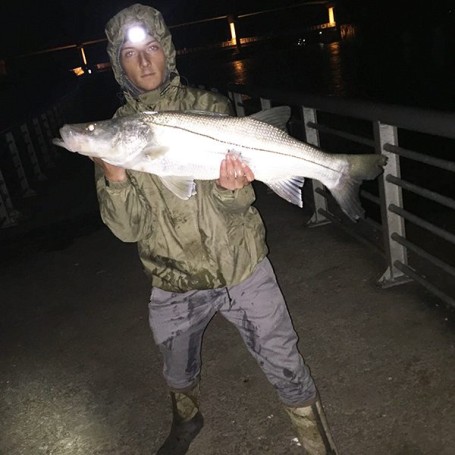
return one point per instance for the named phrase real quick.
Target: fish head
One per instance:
(117, 140)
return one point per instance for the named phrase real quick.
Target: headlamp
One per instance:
(136, 34)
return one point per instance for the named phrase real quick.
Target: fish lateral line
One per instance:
(256, 149)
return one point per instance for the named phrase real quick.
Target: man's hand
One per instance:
(234, 173)
(111, 172)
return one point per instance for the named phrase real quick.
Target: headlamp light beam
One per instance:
(136, 34)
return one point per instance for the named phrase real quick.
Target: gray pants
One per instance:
(258, 310)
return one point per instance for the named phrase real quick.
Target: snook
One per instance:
(181, 147)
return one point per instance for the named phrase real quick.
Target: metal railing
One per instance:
(417, 245)
(414, 247)
(27, 154)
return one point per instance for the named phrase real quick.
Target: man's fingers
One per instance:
(234, 173)
(223, 168)
(247, 172)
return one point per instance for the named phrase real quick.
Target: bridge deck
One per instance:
(79, 373)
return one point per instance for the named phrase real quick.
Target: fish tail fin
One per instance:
(346, 189)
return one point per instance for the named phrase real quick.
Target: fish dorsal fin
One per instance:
(276, 116)
(182, 187)
(209, 113)
(191, 111)
(289, 189)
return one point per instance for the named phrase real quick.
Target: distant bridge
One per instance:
(227, 31)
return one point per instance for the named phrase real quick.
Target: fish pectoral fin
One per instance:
(153, 152)
(276, 116)
(289, 189)
(182, 187)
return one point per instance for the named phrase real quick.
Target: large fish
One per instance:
(181, 147)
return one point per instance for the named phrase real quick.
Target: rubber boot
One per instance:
(187, 422)
(312, 429)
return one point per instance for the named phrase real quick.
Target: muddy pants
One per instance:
(258, 310)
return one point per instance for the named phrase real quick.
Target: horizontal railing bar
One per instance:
(363, 193)
(438, 123)
(416, 156)
(424, 254)
(423, 224)
(370, 197)
(428, 121)
(350, 231)
(425, 283)
(323, 193)
(349, 136)
(433, 196)
(374, 224)
(272, 10)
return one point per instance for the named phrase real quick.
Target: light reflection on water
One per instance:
(343, 68)
(312, 68)
(239, 71)
(335, 77)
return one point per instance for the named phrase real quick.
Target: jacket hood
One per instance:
(152, 20)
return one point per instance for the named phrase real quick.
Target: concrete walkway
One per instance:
(79, 372)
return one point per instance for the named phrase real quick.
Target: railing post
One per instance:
(50, 114)
(17, 163)
(266, 103)
(238, 104)
(8, 214)
(42, 143)
(58, 117)
(47, 129)
(36, 168)
(390, 194)
(312, 137)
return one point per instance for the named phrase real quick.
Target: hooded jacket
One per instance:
(214, 239)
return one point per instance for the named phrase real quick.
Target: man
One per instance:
(204, 255)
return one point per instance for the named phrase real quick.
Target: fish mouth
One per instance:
(59, 142)
(70, 139)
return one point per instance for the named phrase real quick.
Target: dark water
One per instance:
(403, 72)
(410, 70)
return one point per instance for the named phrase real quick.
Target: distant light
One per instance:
(84, 58)
(233, 33)
(332, 16)
(79, 71)
(136, 34)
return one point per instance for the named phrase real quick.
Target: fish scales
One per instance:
(251, 139)
(243, 133)
(183, 147)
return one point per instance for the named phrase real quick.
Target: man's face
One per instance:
(144, 63)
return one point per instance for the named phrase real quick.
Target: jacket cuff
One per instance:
(115, 187)
(224, 194)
